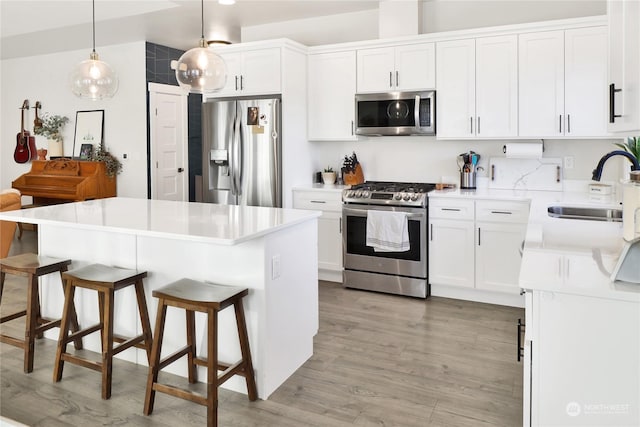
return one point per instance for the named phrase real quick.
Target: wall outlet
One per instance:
(275, 267)
(568, 162)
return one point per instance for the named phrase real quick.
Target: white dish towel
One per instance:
(387, 231)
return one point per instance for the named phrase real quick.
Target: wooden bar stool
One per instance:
(106, 280)
(33, 267)
(207, 298)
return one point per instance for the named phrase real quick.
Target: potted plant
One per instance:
(111, 162)
(632, 146)
(50, 127)
(328, 176)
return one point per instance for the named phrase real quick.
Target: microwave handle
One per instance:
(416, 113)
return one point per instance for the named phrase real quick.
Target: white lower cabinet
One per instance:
(329, 201)
(476, 244)
(581, 360)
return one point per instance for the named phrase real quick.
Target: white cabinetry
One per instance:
(252, 72)
(332, 88)
(451, 242)
(624, 65)
(406, 67)
(477, 244)
(581, 360)
(501, 228)
(561, 80)
(329, 201)
(477, 88)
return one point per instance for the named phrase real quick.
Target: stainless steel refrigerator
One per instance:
(241, 152)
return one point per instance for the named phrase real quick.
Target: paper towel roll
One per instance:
(520, 150)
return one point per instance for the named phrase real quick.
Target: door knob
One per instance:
(180, 169)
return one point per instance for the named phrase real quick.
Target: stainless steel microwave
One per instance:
(396, 113)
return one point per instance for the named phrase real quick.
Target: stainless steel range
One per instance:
(402, 273)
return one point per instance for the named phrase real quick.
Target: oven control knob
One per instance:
(398, 196)
(414, 197)
(365, 194)
(358, 193)
(350, 193)
(406, 197)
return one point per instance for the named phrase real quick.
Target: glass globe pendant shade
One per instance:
(93, 79)
(199, 70)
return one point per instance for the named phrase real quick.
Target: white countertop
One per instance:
(564, 255)
(323, 187)
(203, 222)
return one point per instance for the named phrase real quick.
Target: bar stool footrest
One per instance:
(81, 333)
(13, 316)
(127, 343)
(173, 357)
(96, 366)
(50, 323)
(181, 393)
(12, 341)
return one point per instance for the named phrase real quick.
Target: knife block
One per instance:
(353, 178)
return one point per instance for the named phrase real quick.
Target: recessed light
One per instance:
(227, 2)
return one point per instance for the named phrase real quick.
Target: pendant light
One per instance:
(199, 70)
(92, 78)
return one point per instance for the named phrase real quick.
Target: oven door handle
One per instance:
(363, 212)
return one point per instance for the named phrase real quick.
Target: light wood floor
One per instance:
(379, 360)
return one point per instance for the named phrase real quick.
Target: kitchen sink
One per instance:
(594, 214)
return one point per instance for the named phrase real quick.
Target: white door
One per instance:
(375, 69)
(168, 121)
(586, 95)
(331, 89)
(451, 253)
(456, 81)
(498, 256)
(415, 66)
(497, 86)
(261, 72)
(541, 84)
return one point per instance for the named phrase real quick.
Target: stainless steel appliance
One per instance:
(402, 273)
(396, 113)
(242, 152)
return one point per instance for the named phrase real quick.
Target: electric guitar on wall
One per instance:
(22, 153)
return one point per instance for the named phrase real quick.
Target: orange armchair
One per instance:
(9, 200)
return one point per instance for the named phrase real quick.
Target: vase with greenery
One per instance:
(328, 176)
(52, 125)
(111, 162)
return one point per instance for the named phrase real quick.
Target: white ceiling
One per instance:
(34, 27)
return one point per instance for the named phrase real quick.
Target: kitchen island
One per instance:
(273, 252)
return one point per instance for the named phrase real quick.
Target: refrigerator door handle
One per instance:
(233, 156)
(237, 152)
(274, 142)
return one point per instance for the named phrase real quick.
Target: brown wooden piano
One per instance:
(65, 180)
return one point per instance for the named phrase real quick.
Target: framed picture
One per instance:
(89, 131)
(85, 151)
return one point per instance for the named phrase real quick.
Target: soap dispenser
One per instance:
(631, 207)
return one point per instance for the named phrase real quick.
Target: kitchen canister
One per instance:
(468, 180)
(631, 207)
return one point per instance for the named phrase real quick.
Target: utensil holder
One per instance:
(467, 180)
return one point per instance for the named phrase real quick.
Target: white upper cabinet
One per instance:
(477, 88)
(253, 72)
(624, 66)
(407, 67)
(562, 83)
(456, 90)
(332, 88)
(585, 70)
(497, 86)
(541, 84)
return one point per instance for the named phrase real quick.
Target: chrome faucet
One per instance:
(597, 172)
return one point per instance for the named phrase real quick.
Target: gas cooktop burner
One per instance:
(388, 193)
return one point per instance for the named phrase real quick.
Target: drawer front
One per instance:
(502, 211)
(451, 209)
(318, 200)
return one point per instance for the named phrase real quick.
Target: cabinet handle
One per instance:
(397, 79)
(612, 103)
(352, 127)
(557, 173)
(471, 125)
(478, 125)
(478, 236)
(493, 172)
(340, 225)
(451, 209)
(502, 212)
(241, 82)
(431, 232)
(236, 82)
(560, 124)
(520, 346)
(568, 123)
(390, 79)
(318, 201)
